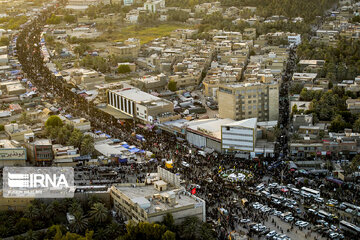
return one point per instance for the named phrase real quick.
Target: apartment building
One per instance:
(249, 100)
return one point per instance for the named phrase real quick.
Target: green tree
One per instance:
(356, 126)
(53, 19)
(355, 163)
(87, 145)
(75, 207)
(81, 48)
(337, 124)
(70, 18)
(80, 223)
(168, 221)
(124, 69)
(53, 121)
(168, 235)
(2, 127)
(76, 138)
(99, 213)
(172, 86)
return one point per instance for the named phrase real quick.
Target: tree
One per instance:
(53, 19)
(76, 138)
(75, 207)
(168, 235)
(81, 48)
(80, 223)
(70, 18)
(99, 213)
(172, 86)
(87, 145)
(124, 69)
(337, 124)
(355, 163)
(168, 221)
(356, 126)
(2, 127)
(53, 121)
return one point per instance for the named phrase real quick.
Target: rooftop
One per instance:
(144, 197)
(137, 95)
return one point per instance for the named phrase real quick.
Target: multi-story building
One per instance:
(239, 136)
(11, 153)
(138, 104)
(85, 78)
(150, 83)
(129, 49)
(152, 201)
(40, 151)
(249, 100)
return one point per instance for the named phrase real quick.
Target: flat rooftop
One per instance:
(136, 95)
(144, 193)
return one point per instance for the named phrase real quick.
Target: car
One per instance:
(292, 201)
(297, 223)
(349, 210)
(322, 222)
(319, 200)
(273, 185)
(277, 213)
(304, 224)
(245, 220)
(185, 164)
(298, 210)
(289, 219)
(333, 201)
(271, 234)
(333, 227)
(214, 107)
(333, 235)
(209, 180)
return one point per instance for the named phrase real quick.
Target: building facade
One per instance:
(138, 104)
(249, 100)
(239, 136)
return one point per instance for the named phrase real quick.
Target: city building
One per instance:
(64, 155)
(249, 100)
(85, 78)
(160, 195)
(294, 39)
(151, 83)
(16, 132)
(130, 48)
(12, 153)
(239, 136)
(39, 151)
(139, 104)
(128, 2)
(154, 5)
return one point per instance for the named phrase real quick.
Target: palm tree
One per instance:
(80, 223)
(32, 212)
(75, 207)
(99, 212)
(191, 228)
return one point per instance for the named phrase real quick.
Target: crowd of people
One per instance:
(203, 171)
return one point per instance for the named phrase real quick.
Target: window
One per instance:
(254, 107)
(227, 128)
(249, 101)
(250, 112)
(249, 107)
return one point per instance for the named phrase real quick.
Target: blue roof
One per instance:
(125, 146)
